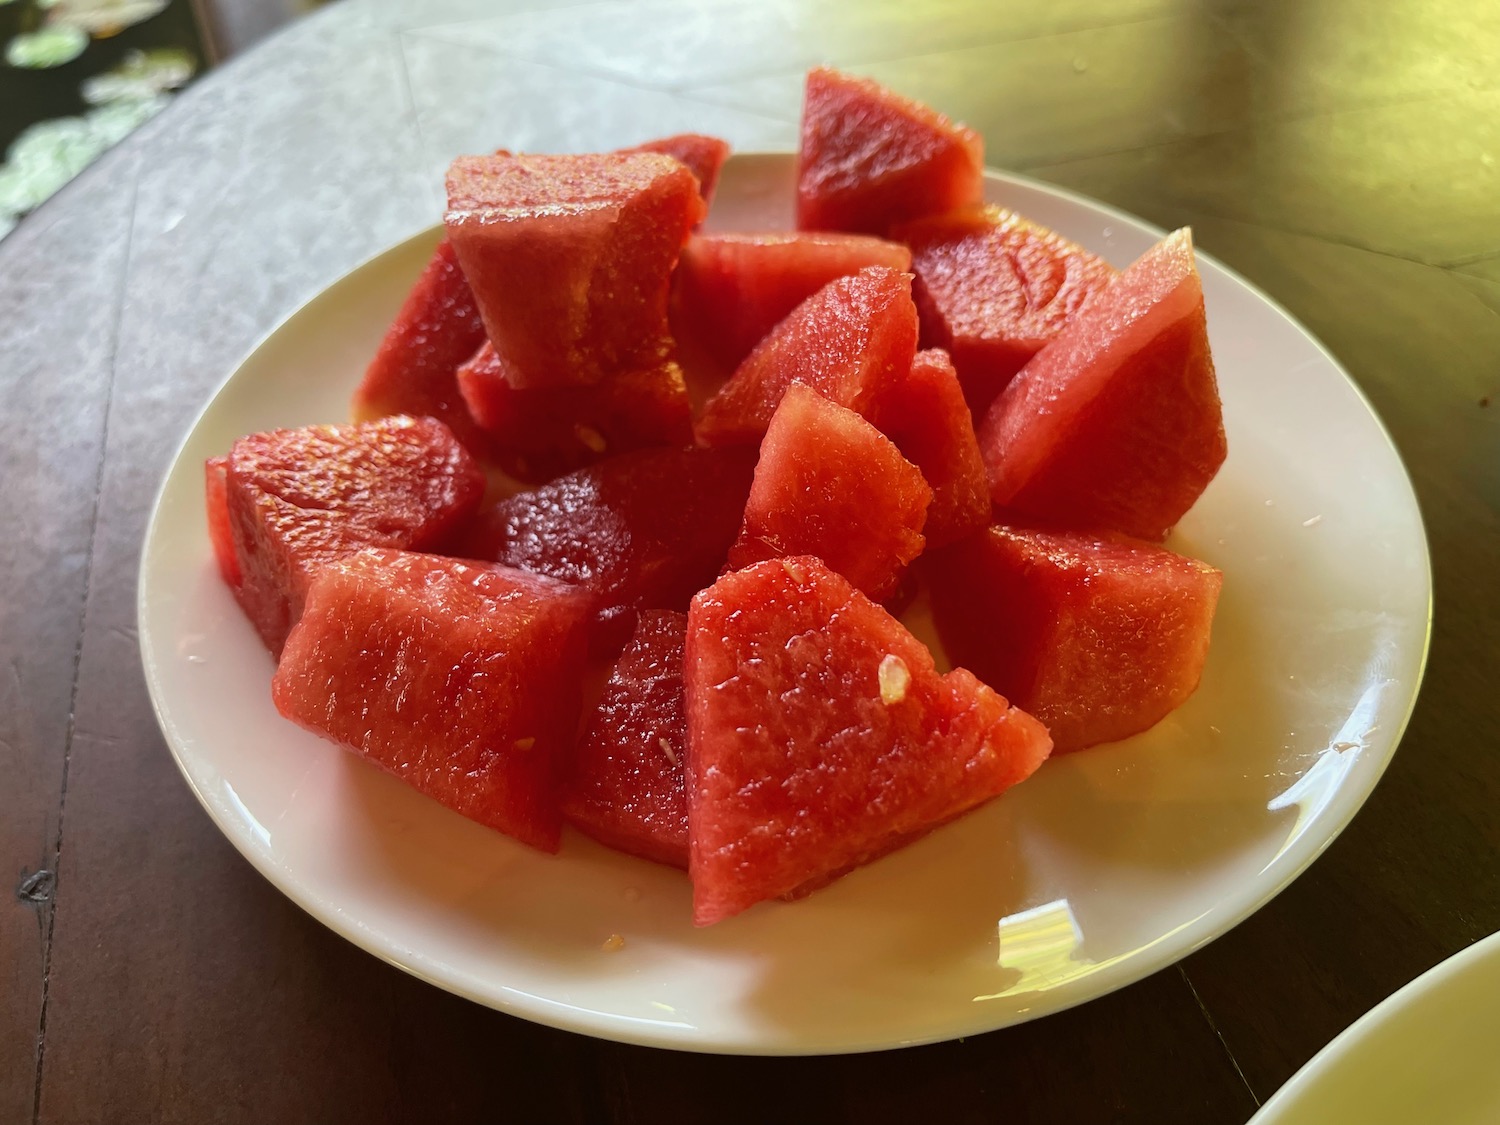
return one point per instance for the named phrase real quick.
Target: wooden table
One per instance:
(1344, 155)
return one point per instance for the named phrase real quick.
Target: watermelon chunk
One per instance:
(830, 484)
(462, 680)
(298, 499)
(626, 788)
(1116, 424)
(851, 341)
(993, 288)
(870, 158)
(1099, 636)
(927, 418)
(642, 530)
(732, 289)
(703, 155)
(538, 433)
(220, 530)
(412, 373)
(820, 736)
(570, 258)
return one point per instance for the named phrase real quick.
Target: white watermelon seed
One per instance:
(894, 679)
(591, 438)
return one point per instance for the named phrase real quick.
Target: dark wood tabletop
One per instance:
(1344, 155)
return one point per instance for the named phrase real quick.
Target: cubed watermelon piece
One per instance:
(992, 288)
(703, 155)
(642, 530)
(461, 679)
(830, 484)
(871, 158)
(412, 373)
(220, 530)
(1115, 424)
(626, 787)
(1099, 636)
(927, 418)
(298, 499)
(570, 258)
(821, 736)
(732, 289)
(538, 433)
(851, 341)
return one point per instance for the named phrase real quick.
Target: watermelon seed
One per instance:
(666, 748)
(525, 743)
(894, 679)
(794, 572)
(591, 438)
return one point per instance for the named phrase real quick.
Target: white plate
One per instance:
(1425, 1055)
(1105, 867)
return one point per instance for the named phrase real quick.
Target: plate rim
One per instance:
(1349, 1041)
(1288, 865)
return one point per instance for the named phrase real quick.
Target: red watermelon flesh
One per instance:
(570, 258)
(851, 341)
(820, 736)
(732, 289)
(626, 788)
(642, 530)
(461, 679)
(703, 155)
(830, 484)
(538, 433)
(927, 418)
(1099, 636)
(1116, 424)
(412, 373)
(220, 532)
(871, 158)
(298, 499)
(993, 288)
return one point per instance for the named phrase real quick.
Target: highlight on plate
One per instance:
(710, 472)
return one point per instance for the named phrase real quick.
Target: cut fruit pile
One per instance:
(527, 504)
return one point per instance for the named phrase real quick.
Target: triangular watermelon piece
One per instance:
(830, 484)
(731, 290)
(538, 433)
(993, 288)
(570, 258)
(703, 155)
(626, 786)
(298, 499)
(642, 530)
(1116, 424)
(461, 679)
(1099, 636)
(820, 736)
(850, 341)
(927, 418)
(870, 158)
(437, 329)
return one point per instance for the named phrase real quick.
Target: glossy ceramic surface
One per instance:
(1103, 868)
(1427, 1054)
